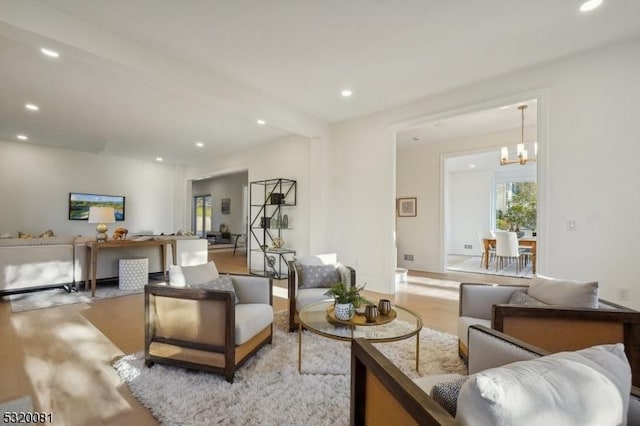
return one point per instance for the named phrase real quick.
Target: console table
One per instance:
(94, 247)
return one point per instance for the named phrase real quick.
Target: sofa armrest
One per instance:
(476, 299)
(381, 392)
(253, 289)
(489, 349)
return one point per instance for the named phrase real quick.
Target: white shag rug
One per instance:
(268, 390)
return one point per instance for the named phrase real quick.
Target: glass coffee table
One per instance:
(399, 325)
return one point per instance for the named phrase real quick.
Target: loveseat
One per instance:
(570, 316)
(28, 264)
(587, 387)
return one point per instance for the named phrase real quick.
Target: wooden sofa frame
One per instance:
(225, 357)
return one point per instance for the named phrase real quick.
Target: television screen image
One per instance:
(80, 203)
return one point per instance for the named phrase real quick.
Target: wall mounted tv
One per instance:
(79, 204)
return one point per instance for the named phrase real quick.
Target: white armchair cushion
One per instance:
(585, 387)
(577, 294)
(306, 296)
(251, 318)
(192, 275)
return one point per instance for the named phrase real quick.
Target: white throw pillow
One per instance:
(193, 275)
(576, 294)
(586, 387)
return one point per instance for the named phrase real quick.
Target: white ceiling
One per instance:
(148, 78)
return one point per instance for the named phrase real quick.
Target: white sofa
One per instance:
(28, 264)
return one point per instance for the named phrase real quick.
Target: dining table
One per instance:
(522, 242)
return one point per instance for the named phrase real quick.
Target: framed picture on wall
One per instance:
(407, 207)
(226, 205)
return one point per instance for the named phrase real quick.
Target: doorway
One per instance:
(424, 147)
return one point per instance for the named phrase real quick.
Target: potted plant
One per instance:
(347, 298)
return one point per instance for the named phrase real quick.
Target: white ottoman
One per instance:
(133, 273)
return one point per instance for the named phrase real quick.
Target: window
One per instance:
(201, 215)
(516, 205)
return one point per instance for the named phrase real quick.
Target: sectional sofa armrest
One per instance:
(253, 289)
(476, 299)
(380, 392)
(564, 328)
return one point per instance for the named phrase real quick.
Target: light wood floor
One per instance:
(62, 356)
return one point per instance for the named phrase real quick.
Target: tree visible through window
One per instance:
(516, 206)
(202, 215)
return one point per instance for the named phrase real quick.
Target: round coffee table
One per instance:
(314, 318)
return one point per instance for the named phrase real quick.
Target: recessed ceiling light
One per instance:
(261, 122)
(32, 107)
(505, 107)
(159, 159)
(346, 93)
(589, 5)
(49, 52)
(199, 144)
(22, 137)
(472, 166)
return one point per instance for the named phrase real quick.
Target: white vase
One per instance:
(343, 311)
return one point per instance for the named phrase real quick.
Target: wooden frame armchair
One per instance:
(204, 329)
(380, 391)
(553, 328)
(298, 296)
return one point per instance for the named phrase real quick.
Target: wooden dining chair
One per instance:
(492, 249)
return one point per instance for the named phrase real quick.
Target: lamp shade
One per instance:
(102, 215)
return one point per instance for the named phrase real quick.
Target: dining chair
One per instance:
(507, 249)
(492, 249)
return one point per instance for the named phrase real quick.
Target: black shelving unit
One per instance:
(270, 204)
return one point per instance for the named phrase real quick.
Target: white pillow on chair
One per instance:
(553, 291)
(180, 276)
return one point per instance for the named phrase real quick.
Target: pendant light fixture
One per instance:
(521, 153)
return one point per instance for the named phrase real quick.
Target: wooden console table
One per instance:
(94, 247)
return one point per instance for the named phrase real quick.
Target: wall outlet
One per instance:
(468, 246)
(408, 257)
(623, 294)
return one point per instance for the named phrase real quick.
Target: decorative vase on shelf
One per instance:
(285, 221)
(343, 311)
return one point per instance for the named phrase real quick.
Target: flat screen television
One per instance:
(79, 204)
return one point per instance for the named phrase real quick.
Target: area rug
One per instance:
(472, 265)
(58, 297)
(20, 405)
(268, 389)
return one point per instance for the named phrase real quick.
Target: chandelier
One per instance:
(521, 153)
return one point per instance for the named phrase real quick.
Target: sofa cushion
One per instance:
(585, 387)
(577, 294)
(251, 318)
(192, 275)
(317, 276)
(446, 394)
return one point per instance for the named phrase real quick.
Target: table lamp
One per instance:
(102, 216)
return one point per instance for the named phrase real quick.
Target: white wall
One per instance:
(286, 158)
(35, 183)
(227, 186)
(587, 149)
(468, 210)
